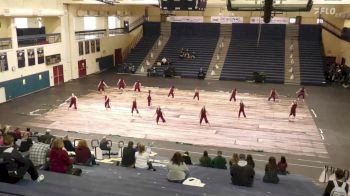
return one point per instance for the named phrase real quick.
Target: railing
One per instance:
(132, 45)
(93, 34)
(116, 31)
(331, 28)
(5, 43)
(136, 23)
(32, 40)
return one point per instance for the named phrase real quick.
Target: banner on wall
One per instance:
(92, 42)
(188, 19)
(274, 20)
(98, 45)
(31, 57)
(3, 62)
(226, 19)
(20, 59)
(40, 52)
(81, 48)
(87, 47)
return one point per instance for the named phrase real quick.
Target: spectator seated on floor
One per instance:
(30, 133)
(201, 74)
(271, 172)
(219, 162)
(142, 158)
(17, 134)
(205, 160)
(25, 143)
(128, 157)
(13, 166)
(337, 187)
(104, 145)
(250, 161)
(187, 159)
(164, 61)
(83, 154)
(39, 154)
(47, 137)
(234, 159)
(185, 53)
(242, 174)
(59, 159)
(282, 166)
(177, 169)
(68, 145)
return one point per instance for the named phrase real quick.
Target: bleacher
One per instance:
(112, 180)
(245, 56)
(151, 32)
(310, 52)
(200, 38)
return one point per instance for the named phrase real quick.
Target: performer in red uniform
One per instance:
(233, 95)
(196, 94)
(73, 101)
(241, 109)
(149, 98)
(121, 83)
(159, 114)
(107, 106)
(171, 91)
(203, 115)
(301, 93)
(273, 95)
(293, 109)
(134, 107)
(101, 86)
(137, 86)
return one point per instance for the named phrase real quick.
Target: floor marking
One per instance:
(313, 112)
(321, 131)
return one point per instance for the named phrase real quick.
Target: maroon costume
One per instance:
(137, 86)
(107, 102)
(301, 93)
(241, 110)
(134, 107)
(73, 101)
(171, 91)
(101, 86)
(159, 115)
(121, 84)
(203, 116)
(196, 94)
(233, 95)
(293, 109)
(149, 98)
(273, 95)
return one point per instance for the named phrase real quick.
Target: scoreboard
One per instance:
(185, 5)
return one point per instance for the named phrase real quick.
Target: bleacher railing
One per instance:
(136, 23)
(116, 31)
(5, 43)
(331, 27)
(32, 40)
(92, 34)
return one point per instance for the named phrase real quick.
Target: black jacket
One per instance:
(242, 174)
(25, 145)
(68, 146)
(330, 187)
(128, 158)
(7, 167)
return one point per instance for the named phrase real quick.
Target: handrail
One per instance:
(331, 28)
(39, 39)
(5, 43)
(136, 23)
(92, 34)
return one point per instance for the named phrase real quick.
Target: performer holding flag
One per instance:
(171, 91)
(233, 95)
(241, 109)
(159, 114)
(107, 106)
(73, 101)
(203, 115)
(301, 93)
(137, 86)
(196, 94)
(101, 86)
(121, 83)
(273, 95)
(293, 109)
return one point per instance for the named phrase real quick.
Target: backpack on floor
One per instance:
(338, 190)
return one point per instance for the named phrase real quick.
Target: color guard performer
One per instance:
(196, 94)
(273, 95)
(137, 86)
(301, 93)
(101, 86)
(203, 115)
(149, 98)
(73, 101)
(241, 109)
(293, 109)
(121, 83)
(171, 91)
(134, 107)
(159, 114)
(107, 106)
(233, 95)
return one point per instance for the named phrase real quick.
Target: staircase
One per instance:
(291, 59)
(152, 56)
(218, 59)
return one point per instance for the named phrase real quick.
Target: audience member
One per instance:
(219, 162)
(17, 134)
(1, 139)
(59, 159)
(13, 166)
(29, 132)
(187, 159)
(271, 172)
(83, 154)
(68, 144)
(234, 160)
(242, 174)
(337, 187)
(142, 158)
(282, 166)
(47, 137)
(26, 143)
(177, 169)
(201, 74)
(128, 158)
(39, 154)
(205, 160)
(250, 161)
(104, 145)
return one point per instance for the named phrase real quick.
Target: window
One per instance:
(319, 21)
(292, 20)
(89, 23)
(113, 22)
(21, 22)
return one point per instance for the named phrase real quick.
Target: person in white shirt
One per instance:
(142, 158)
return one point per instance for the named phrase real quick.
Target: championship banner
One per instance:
(87, 47)
(81, 48)
(188, 19)
(97, 45)
(3, 62)
(40, 52)
(226, 19)
(93, 48)
(31, 57)
(21, 59)
(274, 20)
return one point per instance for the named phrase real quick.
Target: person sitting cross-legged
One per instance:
(219, 162)
(242, 174)
(271, 172)
(205, 160)
(142, 158)
(128, 158)
(39, 153)
(177, 169)
(83, 154)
